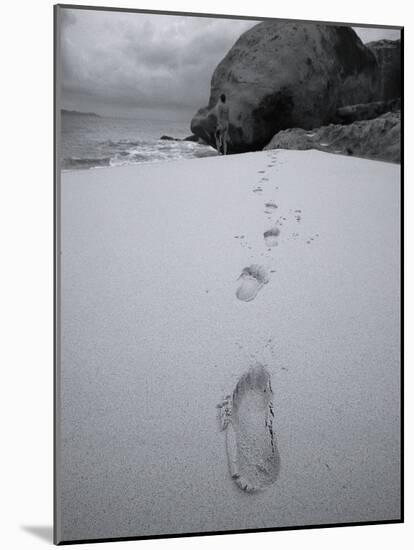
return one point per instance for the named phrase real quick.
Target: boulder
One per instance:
(388, 55)
(379, 138)
(280, 75)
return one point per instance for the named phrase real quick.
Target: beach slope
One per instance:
(154, 337)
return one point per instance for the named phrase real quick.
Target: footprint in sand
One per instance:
(298, 215)
(270, 207)
(247, 416)
(252, 280)
(271, 235)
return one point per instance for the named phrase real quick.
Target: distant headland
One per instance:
(66, 112)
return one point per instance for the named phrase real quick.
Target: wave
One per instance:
(127, 152)
(76, 162)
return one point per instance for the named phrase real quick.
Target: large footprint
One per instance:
(252, 280)
(247, 416)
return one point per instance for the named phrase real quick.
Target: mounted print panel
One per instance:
(228, 274)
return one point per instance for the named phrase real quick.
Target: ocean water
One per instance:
(89, 141)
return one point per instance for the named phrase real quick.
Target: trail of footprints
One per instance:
(254, 277)
(247, 414)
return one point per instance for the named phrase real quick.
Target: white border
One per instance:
(26, 236)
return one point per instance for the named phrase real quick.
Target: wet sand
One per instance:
(154, 337)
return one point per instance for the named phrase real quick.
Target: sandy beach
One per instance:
(154, 337)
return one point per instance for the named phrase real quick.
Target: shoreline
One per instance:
(157, 162)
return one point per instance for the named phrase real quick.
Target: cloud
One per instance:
(369, 34)
(135, 60)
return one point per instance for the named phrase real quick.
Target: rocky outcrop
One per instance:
(388, 55)
(378, 138)
(367, 111)
(281, 75)
(193, 138)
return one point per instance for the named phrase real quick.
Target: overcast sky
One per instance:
(147, 65)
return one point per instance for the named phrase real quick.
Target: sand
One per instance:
(154, 337)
